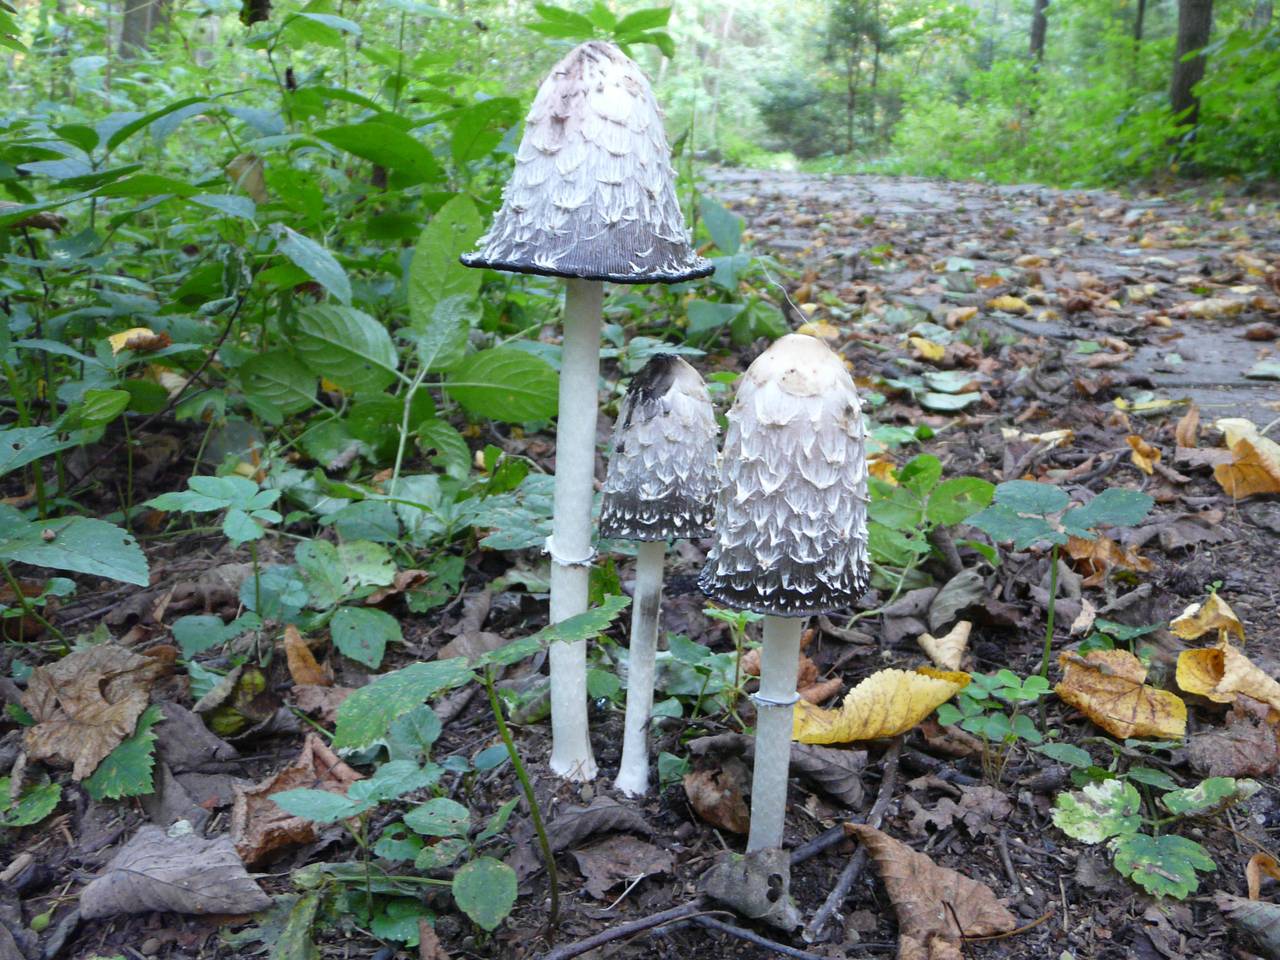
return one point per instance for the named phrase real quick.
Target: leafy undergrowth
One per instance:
(1063, 670)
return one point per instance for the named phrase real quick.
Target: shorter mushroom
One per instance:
(791, 532)
(660, 485)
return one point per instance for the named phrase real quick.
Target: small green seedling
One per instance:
(991, 707)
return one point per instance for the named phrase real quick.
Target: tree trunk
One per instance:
(1039, 27)
(1195, 23)
(136, 27)
(1262, 12)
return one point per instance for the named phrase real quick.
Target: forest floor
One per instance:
(1104, 316)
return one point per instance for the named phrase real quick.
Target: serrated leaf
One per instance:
(1209, 796)
(1101, 810)
(363, 634)
(127, 770)
(453, 455)
(346, 346)
(485, 890)
(321, 806)
(32, 806)
(386, 146)
(583, 626)
(1164, 866)
(367, 714)
(954, 501)
(1028, 496)
(1002, 523)
(505, 384)
(441, 854)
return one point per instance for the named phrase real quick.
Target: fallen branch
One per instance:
(624, 930)
(782, 949)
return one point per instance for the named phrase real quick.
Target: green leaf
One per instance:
(1164, 866)
(453, 454)
(707, 317)
(320, 806)
(366, 715)
(394, 779)
(411, 736)
(637, 21)
(435, 274)
(724, 227)
(240, 528)
(505, 384)
(77, 544)
(126, 770)
(1101, 810)
(22, 445)
(32, 806)
(97, 408)
(280, 380)
(388, 147)
(133, 126)
(295, 941)
(363, 634)
(346, 346)
(956, 500)
(439, 817)
(583, 626)
(1209, 796)
(199, 632)
(1115, 507)
(948, 402)
(1002, 524)
(397, 843)
(443, 343)
(485, 890)
(479, 128)
(440, 854)
(1027, 496)
(498, 822)
(1152, 777)
(313, 260)
(1066, 753)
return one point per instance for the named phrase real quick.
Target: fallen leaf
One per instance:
(947, 651)
(176, 872)
(320, 701)
(259, 827)
(1008, 304)
(1187, 432)
(303, 667)
(882, 467)
(1108, 687)
(959, 316)
(1255, 465)
(821, 691)
(1245, 747)
(936, 907)
(86, 703)
(1083, 622)
(429, 945)
(405, 580)
(620, 858)
(923, 349)
(1213, 614)
(1144, 455)
(1212, 308)
(1095, 558)
(717, 795)
(885, 704)
(571, 825)
(820, 329)
(1222, 673)
(1260, 865)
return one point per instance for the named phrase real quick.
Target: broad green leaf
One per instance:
(367, 714)
(366, 564)
(388, 147)
(1152, 777)
(280, 380)
(707, 317)
(583, 626)
(479, 128)
(1027, 496)
(948, 402)
(346, 346)
(435, 273)
(1115, 507)
(397, 843)
(394, 779)
(363, 634)
(1101, 810)
(241, 528)
(956, 500)
(443, 343)
(97, 408)
(412, 735)
(649, 18)
(440, 854)
(1066, 753)
(295, 942)
(199, 632)
(1164, 866)
(485, 890)
(32, 806)
(77, 544)
(126, 770)
(322, 570)
(22, 445)
(505, 384)
(1209, 796)
(1002, 524)
(452, 453)
(724, 227)
(921, 474)
(313, 260)
(320, 806)
(439, 817)
(132, 127)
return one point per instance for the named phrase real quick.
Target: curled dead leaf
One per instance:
(947, 651)
(303, 667)
(936, 907)
(885, 704)
(1095, 558)
(1108, 687)
(821, 690)
(1260, 865)
(1144, 455)
(1187, 432)
(1213, 614)
(717, 795)
(1255, 465)
(1222, 673)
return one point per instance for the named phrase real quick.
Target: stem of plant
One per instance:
(1053, 599)
(646, 607)
(404, 427)
(775, 708)
(20, 599)
(535, 812)
(571, 755)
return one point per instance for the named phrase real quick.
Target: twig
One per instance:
(852, 870)
(624, 930)
(823, 841)
(1002, 844)
(779, 948)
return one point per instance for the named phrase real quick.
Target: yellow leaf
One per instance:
(1008, 304)
(882, 468)
(926, 349)
(885, 704)
(1187, 432)
(1199, 618)
(1255, 468)
(1108, 687)
(138, 338)
(1146, 406)
(820, 329)
(1213, 308)
(1096, 557)
(1144, 455)
(1223, 673)
(959, 316)
(1056, 438)
(947, 651)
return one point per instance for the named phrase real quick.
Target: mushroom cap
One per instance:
(593, 192)
(791, 516)
(661, 480)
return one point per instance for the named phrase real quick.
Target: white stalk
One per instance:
(571, 526)
(775, 705)
(646, 607)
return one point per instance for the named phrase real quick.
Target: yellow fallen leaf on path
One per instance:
(885, 704)
(1255, 468)
(1144, 455)
(924, 349)
(1108, 687)
(1223, 673)
(947, 651)
(1199, 618)
(1008, 304)
(820, 329)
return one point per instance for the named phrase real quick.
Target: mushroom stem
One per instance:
(775, 705)
(633, 773)
(571, 524)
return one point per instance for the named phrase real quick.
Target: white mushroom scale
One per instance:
(592, 199)
(791, 532)
(660, 486)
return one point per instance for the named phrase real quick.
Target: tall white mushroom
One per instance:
(791, 532)
(660, 486)
(592, 199)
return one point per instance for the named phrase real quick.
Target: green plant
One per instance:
(1026, 512)
(991, 707)
(1163, 864)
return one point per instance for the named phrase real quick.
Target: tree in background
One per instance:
(1195, 24)
(852, 27)
(1039, 28)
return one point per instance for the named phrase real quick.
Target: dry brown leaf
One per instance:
(429, 945)
(821, 691)
(1108, 687)
(1213, 614)
(1222, 673)
(259, 827)
(1245, 747)
(619, 858)
(947, 651)
(885, 704)
(1095, 558)
(1187, 432)
(1144, 455)
(936, 907)
(958, 316)
(717, 795)
(1255, 466)
(1260, 865)
(322, 702)
(87, 703)
(302, 662)
(404, 580)
(1260, 918)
